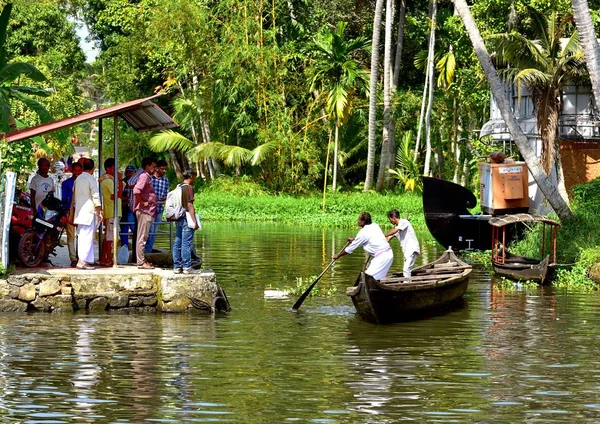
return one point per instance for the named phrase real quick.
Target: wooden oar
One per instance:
(307, 291)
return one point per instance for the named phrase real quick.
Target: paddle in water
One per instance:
(308, 290)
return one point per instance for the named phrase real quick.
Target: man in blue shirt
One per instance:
(67, 198)
(161, 188)
(127, 216)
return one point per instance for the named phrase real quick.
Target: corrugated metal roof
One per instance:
(141, 114)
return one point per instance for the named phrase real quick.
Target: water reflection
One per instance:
(506, 356)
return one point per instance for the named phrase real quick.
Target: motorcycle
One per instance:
(39, 241)
(20, 221)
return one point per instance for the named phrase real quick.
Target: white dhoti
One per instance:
(380, 264)
(85, 242)
(409, 261)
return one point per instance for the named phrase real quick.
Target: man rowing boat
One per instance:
(372, 239)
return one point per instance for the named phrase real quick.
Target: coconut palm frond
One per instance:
(573, 45)
(170, 140)
(407, 170)
(204, 151)
(532, 78)
(446, 66)
(337, 102)
(234, 155)
(421, 59)
(260, 153)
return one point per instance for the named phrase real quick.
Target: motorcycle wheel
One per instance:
(31, 250)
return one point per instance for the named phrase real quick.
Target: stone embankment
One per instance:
(123, 288)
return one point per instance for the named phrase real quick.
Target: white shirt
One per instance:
(42, 187)
(408, 238)
(371, 238)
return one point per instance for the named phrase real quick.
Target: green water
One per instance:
(506, 356)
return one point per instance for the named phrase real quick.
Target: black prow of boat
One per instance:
(446, 206)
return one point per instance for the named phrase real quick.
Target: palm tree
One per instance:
(373, 96)
(544, 183)
(11, 72)
(544, 67)
(388, 144)
(589, 43)
(339, 75)
(196, 147)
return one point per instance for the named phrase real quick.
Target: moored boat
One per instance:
(431, 288)
(521, 268)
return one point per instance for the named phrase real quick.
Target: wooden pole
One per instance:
(504, 244)
(116, 190)
(98, 166)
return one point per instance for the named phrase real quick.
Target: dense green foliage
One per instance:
(578, 240)
(262, 90)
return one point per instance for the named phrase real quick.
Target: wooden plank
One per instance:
(420, 278)
(423, 282)
(424, 272)
(446, 265)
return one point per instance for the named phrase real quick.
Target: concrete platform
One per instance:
(58, 287)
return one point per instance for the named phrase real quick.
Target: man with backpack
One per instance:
(186, 223)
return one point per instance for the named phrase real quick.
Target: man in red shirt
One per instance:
(144, 207)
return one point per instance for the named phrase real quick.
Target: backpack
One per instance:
(174, 210)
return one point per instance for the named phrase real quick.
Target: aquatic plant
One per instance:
(302, 284)
(577, 276)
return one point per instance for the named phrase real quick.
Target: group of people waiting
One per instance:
(140, 199)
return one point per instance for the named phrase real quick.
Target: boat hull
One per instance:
(432, 289)
(524, 270)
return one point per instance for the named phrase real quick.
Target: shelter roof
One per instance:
(141, 114)
(501, 221)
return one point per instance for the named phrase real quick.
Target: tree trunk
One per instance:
(335, 158)
(455, 143)
(176, 165)
(560, 178)
(430, 67)
(373, 97)
(399, 44)
(387, 145)
(326, 170)
(421, 116)
(543, 181)
(589, 43)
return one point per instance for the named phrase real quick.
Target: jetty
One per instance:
(122, 288)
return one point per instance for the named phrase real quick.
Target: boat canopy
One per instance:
(501, 221)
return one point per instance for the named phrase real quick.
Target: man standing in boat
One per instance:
(408, 240)
(372, 239)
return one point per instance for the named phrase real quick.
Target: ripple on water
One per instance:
(506, 356)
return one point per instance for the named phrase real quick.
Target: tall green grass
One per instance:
(341, 209)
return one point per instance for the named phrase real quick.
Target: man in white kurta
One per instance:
(86, 212)
(408, 240)
(372, 239)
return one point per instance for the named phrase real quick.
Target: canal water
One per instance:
(508, 355)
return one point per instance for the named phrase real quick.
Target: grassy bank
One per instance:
(341, 209)
(578, 240)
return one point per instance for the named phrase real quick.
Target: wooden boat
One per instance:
(431, 287)
(516, 267)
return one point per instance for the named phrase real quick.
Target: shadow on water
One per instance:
(506, 356)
